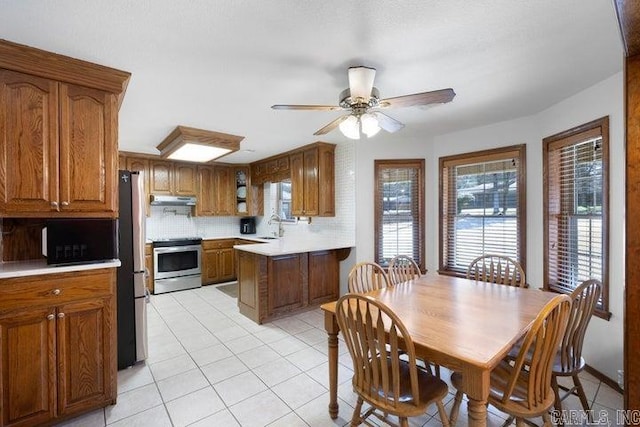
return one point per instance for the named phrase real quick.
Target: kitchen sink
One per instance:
(268, 237)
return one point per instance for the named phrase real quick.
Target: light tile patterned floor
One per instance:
(210, 366)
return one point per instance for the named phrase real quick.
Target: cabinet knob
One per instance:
(51, 317)
(65, 203)
(56, 292)
(54, 204)
(60, 315)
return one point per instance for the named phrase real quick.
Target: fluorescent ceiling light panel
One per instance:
(198, 153)
(197, 145)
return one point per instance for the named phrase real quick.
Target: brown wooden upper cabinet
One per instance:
(172, 178)
(139, 165)
(58, 147)
(273, 169)
(58, 134)
(216, 191)
(313, 181)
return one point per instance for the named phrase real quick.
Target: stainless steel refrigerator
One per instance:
(133, 295)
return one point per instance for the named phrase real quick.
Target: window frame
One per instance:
(419, 165)
(560, 140)
(470, 158)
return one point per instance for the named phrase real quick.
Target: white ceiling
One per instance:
(220, 65)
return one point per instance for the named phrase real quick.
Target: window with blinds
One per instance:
(576, 208)
(482, 207)
(399, 210)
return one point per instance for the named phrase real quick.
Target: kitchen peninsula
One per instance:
(288, 275)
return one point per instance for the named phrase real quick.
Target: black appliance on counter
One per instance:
(80, 240)
(248, 225)
(132, 292)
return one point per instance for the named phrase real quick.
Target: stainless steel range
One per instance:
(177, 264)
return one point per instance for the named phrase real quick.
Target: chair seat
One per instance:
(516, 405)
(559, 370)
(431, 389)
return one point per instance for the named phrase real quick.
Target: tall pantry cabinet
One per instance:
(58, 159)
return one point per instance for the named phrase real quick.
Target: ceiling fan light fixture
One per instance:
(370, 126)
(350, 127)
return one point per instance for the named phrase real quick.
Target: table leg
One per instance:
(331, 326)
(476, 385)
(477, 412)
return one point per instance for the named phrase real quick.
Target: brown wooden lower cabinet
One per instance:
(57, 346)
(271, 287)
(219, 260)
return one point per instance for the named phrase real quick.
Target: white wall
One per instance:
(604, 342)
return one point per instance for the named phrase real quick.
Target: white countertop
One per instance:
(40, 266)
(284, 245)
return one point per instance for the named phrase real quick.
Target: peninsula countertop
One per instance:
(292, 245)
(35, 267)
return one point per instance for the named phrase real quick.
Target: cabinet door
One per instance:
(141, 165)
(28, 143)
(224, 190)
(86, 355)
(297, 184)
(326, 181)
(205, 205)
(27, 342)
(160, 177)
(311, 182)
(88, 150)
(184, 180)
(324, 276)
(287, 279)
(210, 266)
(227, 264)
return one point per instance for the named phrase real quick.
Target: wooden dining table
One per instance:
(465, 325)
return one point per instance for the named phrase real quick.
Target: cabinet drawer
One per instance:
(217, 244)
(55, 289)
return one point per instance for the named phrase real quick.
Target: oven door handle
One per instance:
(170, 249)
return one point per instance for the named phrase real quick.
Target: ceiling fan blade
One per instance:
(306, 107)
(331, 126)
(434, 97)
(387, 123)
(361, 82)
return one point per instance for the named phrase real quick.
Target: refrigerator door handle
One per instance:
(147, 295)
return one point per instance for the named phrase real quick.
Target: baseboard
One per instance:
(605, 379)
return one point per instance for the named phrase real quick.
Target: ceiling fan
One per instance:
(363, 101)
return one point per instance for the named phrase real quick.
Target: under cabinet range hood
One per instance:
(162, 200)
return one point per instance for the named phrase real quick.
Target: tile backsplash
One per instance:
(176, 221)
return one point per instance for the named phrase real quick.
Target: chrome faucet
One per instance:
(276, 217)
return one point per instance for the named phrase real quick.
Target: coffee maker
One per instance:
(248, 225)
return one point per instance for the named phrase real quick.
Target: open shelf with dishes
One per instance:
(242, 184)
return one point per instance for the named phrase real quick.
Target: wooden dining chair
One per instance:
(366, 277)
(373, 334)
(569, 361)
(497, 269)
(403, 268)
(522, 388)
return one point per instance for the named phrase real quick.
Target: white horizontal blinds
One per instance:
(480, 209)
(575, 212)
(399, 222)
